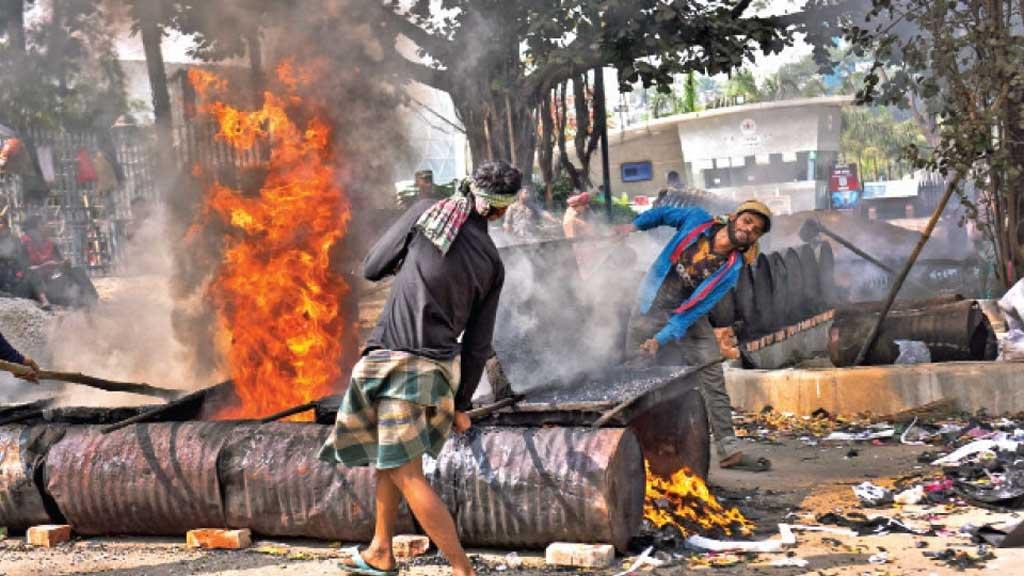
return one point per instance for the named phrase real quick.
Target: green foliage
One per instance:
(69, 75)
(957, 67)
(872, 137)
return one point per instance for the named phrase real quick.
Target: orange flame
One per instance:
(276, 296)
(685, 502)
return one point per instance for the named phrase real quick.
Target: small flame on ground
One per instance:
(684, 501)
(276, 296)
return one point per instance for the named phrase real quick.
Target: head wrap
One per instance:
(442, 221)
(578, 200)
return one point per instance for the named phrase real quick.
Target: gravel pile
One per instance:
(25, 325)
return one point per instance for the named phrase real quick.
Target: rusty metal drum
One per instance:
(147, 479)
(528, 487)
(22, 451)
(274, 484)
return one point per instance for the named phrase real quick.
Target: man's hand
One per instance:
(650, 347)
(32, 375)
(461, 422)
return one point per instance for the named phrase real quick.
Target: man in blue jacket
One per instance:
(669, 323)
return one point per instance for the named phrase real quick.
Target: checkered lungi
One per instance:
(398, 406)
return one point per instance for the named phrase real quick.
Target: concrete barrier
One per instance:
(996, 387)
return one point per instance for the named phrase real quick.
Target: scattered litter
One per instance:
(865, 436)
(973, 448)
(803, 528)
(643, 559)
(961, 559)
(786, 538)
(914, 495)
(513, 561)
(873, 526)
(913, 352)
(872, 495)
(789, 562)
(880, 558)
(1011, 537)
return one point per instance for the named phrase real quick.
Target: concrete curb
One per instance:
(996, 387)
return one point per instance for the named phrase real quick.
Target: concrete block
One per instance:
(580, 555)
(218, 539)
(48, 535)
(410, 545)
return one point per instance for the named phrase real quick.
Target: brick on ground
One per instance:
(580, 555)
(218, 539)
(48, 535)
(410, 545)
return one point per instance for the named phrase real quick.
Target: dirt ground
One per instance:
(806, 481)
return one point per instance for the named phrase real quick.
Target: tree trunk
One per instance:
(547, 148)
(151, 32)
(253, 46)
(15, 10)
(498, 128)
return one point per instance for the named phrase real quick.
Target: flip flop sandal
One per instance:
(359, 566)
(746, 463)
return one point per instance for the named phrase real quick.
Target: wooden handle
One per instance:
(21, 371)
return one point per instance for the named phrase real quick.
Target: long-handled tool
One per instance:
(21, 371)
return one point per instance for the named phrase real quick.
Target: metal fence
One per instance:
(90, 217)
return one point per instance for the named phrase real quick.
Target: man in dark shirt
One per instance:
(416, 379)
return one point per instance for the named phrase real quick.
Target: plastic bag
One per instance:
(1011, 346)
(913, 352)
(1012, 305)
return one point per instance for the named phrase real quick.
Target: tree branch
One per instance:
(433, 77)
(436, 46)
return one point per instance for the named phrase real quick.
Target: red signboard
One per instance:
(844, 178)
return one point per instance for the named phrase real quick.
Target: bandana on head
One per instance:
(442, 221)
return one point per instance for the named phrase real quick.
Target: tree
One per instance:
(149, 18)
(498, 60)
(873, 133)
(957, 66)
(229, 29)
(66, 74)
(12, 20)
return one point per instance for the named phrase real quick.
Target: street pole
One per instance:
(601, 123)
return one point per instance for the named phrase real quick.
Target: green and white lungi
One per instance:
(398, 406)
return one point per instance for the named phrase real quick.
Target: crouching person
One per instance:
(415, 380)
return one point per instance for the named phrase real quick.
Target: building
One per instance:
(780, 152)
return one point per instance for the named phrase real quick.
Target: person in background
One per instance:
(424, 182)
(423, 361)
(14, 267)
(521, 220)
(62, 284)
(573, 224)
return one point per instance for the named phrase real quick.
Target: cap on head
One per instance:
(759, 208)
(425, 175)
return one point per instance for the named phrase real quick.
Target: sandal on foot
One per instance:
(360, 566)
(746, 463)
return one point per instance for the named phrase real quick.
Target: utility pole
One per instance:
(601, 123)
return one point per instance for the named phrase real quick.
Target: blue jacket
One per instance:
(689, 223)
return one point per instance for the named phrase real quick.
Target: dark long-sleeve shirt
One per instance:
(436, 297)
(8, 353)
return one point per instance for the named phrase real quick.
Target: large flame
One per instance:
(277, 298)
(684, 501)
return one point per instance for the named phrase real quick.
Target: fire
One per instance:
(685, 502)
(277, 299)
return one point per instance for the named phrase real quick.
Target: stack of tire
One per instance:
(779, 289)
